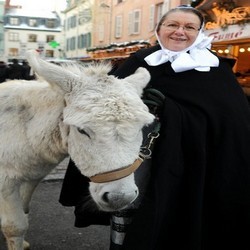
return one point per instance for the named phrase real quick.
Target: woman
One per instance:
(198, 195)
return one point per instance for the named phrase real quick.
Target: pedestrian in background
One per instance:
(3, 71)
(15, 70)
(198, 195)
(26, 71)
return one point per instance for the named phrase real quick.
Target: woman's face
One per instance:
(179, 30)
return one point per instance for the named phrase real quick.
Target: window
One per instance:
(32, 38)
(137, 19)
(32, 22)
(13, 52)
(73, 22)
(87, 40)
(50, 38)
(72, 43)
(50, 23)
(13, 36)
(49, 53)
(134, 22)
(151, 25)
(118, 26)
(101, 33)
(156, 12)
(84, 41)
(67, 44)
(159, 11)
(68, 23)
(14, 21)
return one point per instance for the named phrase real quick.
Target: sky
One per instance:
(40, 4)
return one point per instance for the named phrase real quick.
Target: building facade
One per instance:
(78, 26)
(2, 4)
(100, 23)
(38, 30)
(86, 24)
(119, 21)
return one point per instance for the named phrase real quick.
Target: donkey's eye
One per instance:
(83, 132)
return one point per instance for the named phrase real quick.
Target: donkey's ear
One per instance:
(138, 80)
(54, 74)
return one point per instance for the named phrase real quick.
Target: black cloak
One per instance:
(198, 197)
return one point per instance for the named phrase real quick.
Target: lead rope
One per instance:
(154, 99)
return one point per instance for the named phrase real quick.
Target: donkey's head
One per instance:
(105, 116)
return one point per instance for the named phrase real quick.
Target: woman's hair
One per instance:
(183, 8)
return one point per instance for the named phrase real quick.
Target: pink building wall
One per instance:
(106, 12)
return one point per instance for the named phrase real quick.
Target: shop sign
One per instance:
(232, 32)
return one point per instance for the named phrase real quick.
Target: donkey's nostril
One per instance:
(105, 197)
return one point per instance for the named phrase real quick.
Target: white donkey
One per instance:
(75, 111)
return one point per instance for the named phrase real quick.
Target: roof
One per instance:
(33, 13)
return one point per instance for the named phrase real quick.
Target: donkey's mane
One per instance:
(97, 69)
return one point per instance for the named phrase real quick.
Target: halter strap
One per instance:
(117, 174)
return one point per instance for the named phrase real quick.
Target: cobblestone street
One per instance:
(59, 172)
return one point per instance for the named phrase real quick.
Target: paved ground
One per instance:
(52, 225)
(59, 172)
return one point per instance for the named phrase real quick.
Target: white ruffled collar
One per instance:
(197, 56)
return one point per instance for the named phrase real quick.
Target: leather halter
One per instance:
(117, 174)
